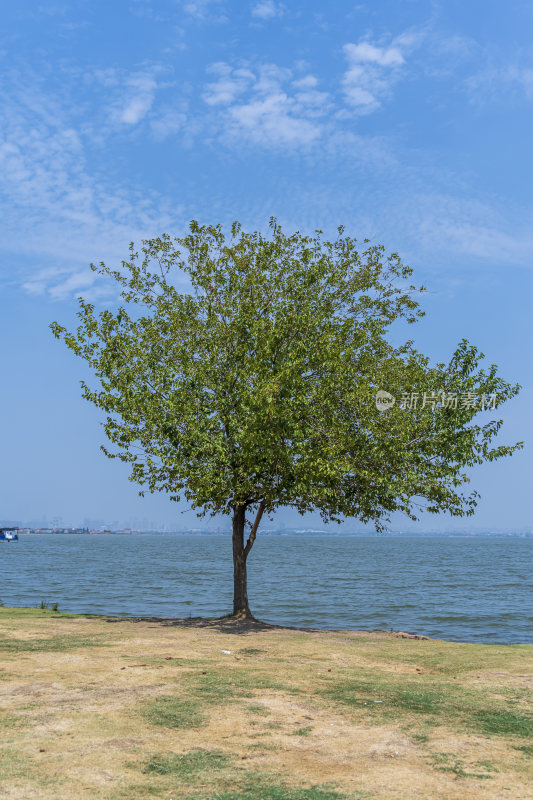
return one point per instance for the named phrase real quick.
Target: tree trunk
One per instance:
(240, 589)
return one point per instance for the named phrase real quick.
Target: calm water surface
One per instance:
(474, 588)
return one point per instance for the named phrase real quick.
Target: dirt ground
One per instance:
(95, 707)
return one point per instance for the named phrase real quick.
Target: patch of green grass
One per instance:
(448, 762)
(263, 746)
(437, 702)
(421, 737)
(202, 690)
(526, 749)
(141, 790)
(419, 701)
(17, 613)
(188, 766)
(251, 651)
(217, 686)
(256, 709)
(258, 789)
(504, 723)
(229, 785)
(488, 765)
(48, 644)
(9, 720)
(13, 765)
(302, 731)
(174, 712)
(374, 694)
(53, 607)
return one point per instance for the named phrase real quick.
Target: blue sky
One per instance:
(410, 123)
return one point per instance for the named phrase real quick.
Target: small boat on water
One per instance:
(9, 535)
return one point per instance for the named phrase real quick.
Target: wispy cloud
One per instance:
(139, 99)
(228, 85)
(522, 77)
(73, 284)
(267, 9)
(372, 70)
(57, 203)
(129, 96)
(273, 119)
(274, 106)
(476, 230)
(266, 105)
(509, 81)
(54, 207)
(307, 82)
(167, 122)
(134, 99)
(208, 10)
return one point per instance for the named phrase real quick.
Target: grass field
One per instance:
(95, 707)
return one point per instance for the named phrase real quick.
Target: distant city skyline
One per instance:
(145, 525)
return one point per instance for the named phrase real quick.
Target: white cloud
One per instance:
(522, 76)
(271, 120)
(445, 56)
(128, 97)
(440, 225)
(72, 284)
(371, 72)
(507, 80)
(270, 77)
(229, 85)
(167, 123)
(56, 214)
(369, 53)
(56, 209)
(203, 10)
(307, 82)
(267, 9)
(266, 106)
(34, 287)
(441, 231)
(140, 97)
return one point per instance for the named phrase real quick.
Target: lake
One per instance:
(474, 588)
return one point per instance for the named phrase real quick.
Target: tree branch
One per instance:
(251, 538)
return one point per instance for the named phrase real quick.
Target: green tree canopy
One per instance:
(255, 388)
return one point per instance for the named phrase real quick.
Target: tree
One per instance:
(256, 388)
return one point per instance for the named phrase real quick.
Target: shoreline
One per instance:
(229, 624)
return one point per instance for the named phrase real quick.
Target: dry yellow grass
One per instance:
(119, 709)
